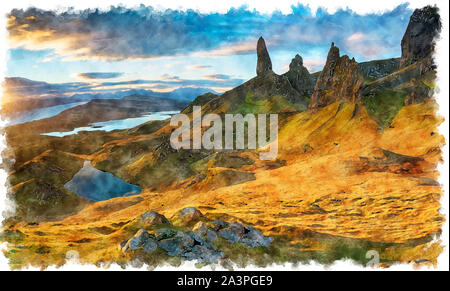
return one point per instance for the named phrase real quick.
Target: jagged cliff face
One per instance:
(299, 77)
(338, 81)
(377, 69)
(419, 40)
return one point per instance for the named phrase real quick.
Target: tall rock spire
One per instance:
(338, 81)
(264, 64)
(419, 39)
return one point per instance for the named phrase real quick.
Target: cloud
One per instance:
(141, 33)
(369, 45)
(198, 67)
(217, 77)
(99, 75)
(314, 65)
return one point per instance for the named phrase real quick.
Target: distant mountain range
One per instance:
(17, 89)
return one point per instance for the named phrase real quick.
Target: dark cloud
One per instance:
(99, 75)
(121, 33)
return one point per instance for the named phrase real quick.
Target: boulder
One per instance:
(247, 235)
(152, 218)
(141, 239)
(202, 230)
(188, 215)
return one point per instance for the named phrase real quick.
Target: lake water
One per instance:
(95, 185)
(42, 113)
(117, 124)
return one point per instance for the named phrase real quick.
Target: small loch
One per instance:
(95, 185)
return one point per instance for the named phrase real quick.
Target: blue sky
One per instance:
(146, 48)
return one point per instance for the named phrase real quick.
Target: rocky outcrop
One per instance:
(264, 64)
(194, 243)
(338, 81)
(299, 77)
(418, 42)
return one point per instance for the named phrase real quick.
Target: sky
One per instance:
(120, 48)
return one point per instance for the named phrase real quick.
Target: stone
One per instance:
(141, 239)
(190, 246)
(190, 214)
(299, 77)
(211, 236)
(233, 232)
(152, 218)
(204, 253)
(264, 64)
(200, 228)
(247, 235)
(176, 245)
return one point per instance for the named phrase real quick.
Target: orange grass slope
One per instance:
(319, 189)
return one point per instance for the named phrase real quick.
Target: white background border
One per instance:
(265, 6)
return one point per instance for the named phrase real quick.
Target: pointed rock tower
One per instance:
(299, 77)
(264, 63)
(418, 41)
(338, 81)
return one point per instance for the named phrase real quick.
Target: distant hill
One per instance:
(23, 94)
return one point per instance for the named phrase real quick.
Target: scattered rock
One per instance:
(195, 244)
